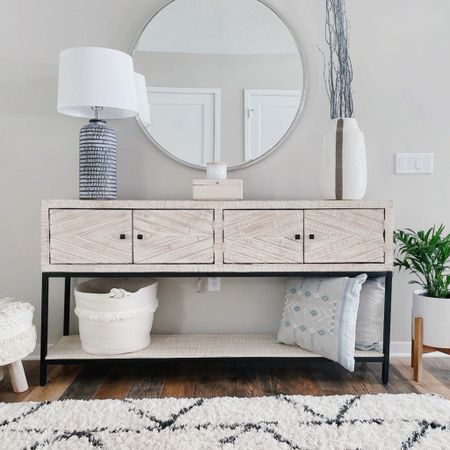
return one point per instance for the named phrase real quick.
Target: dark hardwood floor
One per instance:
(217, 378)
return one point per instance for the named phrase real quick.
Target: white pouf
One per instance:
(17, 339)
(115, 315)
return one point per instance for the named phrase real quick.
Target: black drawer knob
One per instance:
(122, 236)
(297, 237)
(140, 237)
(311, 236)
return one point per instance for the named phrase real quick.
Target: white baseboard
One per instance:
(35, 356)
(398, 349)
(401, 348)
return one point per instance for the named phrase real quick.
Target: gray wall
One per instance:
(399, 53)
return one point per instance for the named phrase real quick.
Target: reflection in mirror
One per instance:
(224, 80)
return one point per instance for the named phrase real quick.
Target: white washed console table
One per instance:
(210, 238)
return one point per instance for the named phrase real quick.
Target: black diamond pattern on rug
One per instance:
(404, 421)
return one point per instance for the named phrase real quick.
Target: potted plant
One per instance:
(426, 255)
(344, 166)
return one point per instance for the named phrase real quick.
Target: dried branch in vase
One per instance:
(338, 70)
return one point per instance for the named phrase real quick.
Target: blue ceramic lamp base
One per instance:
(98, 165)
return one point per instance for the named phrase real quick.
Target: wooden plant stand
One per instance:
(418, 349)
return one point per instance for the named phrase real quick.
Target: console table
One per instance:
(211, 238)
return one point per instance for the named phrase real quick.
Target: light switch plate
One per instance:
(413, 163)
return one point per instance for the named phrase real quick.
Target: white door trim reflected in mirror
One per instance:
(263, 106)
(186, 120)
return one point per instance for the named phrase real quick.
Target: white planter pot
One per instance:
(436, 319)
(344, 165)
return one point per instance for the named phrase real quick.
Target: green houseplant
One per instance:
(426, 255)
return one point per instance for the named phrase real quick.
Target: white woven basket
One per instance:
(115, 315)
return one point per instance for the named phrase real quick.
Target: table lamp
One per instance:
(142, 100)
(97, 83)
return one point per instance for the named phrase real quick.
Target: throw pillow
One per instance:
(320, 315)
(369, 324)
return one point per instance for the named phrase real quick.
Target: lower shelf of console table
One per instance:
(194, 346)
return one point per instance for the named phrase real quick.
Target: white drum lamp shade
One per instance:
(97, 83)
(142, 100)
(96, 77)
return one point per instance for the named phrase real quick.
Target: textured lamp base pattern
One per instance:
(98, 175)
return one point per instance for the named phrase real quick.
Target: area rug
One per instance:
(381, 421)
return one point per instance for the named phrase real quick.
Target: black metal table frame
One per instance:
(44, 362)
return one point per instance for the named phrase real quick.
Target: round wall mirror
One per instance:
(225, 81)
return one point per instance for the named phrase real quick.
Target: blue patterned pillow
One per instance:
(320, 315)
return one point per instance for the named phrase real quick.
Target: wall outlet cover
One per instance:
(214, 283)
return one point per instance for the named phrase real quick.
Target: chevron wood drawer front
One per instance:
(263, 236)
(213, 237)
(173, 236)
(86, 236)
(344, 235)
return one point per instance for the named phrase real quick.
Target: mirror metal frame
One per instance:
(295, 122)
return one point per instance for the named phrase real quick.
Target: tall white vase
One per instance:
(344, 164)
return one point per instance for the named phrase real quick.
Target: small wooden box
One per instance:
(217, 189)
